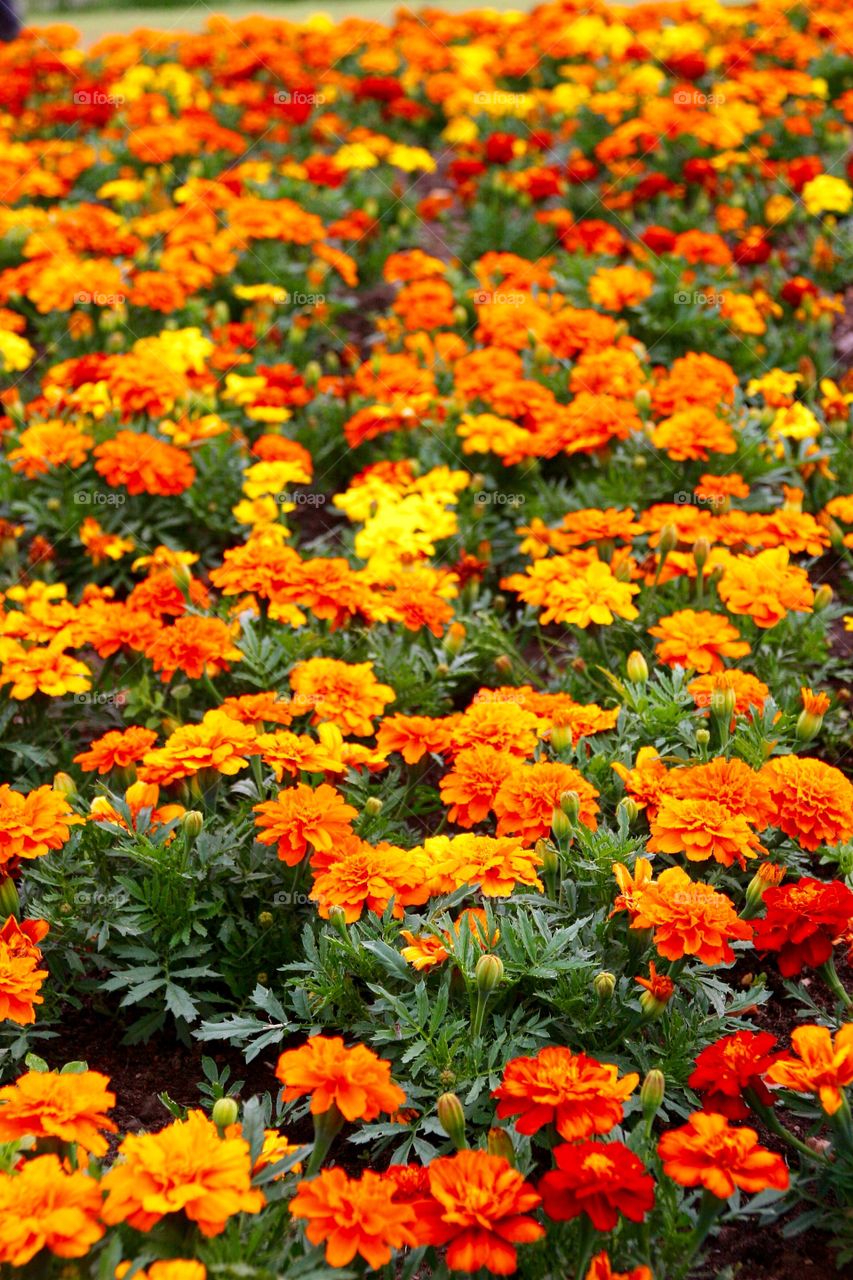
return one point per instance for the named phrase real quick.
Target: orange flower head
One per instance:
(20, 976)
(578, 1095)
(70, 1107)
(144, 464)
(354, 1216)
(496, 866)
(702, 829)
(355, 1080)
(471, 785)
(765, 587)
(824, 1066)
(301, 816)
(194, 645)
(33, 824)
(698, 640)
(185, 1167)
(601, 1269)
(479, 1208)
(45, 1207)
(709, 1152)
(600, 1179)
(528, 796)
(726, 1069)
(813, 800)
(802, 921)
(118, 749)
(731, 784)
(689, 918)
(347, 694)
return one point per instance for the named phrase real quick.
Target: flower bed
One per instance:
(427, 513)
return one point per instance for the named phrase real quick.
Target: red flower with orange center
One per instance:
(825, 1067)
(725, 1070)
(577, 1094)
(600, 1179)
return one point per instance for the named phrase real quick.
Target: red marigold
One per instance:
(802, 922)
(577, 1094)
(726, 1069)
(600, 1179)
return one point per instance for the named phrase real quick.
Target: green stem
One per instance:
(327, 1126)
(774, 1124)
(709, 1210)
(830, 976)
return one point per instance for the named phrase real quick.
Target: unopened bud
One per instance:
(192, 823)
(604, 984)
(629, 807)
(503, 664)
(489, 973)
(561, 737)
(64, 783)
(265, 919)
(643, 399)
(561, 826)
(338, 920)
(454, 638)
(703, 737)
(442, 670)
(570, 804)
(722, 703)
(550, 856)
(701, 551)
(808, 726)
(822, 597)
(499, 605)
(372, 807)
(499, 1143)
(668, 539)
(636, 668)
(451, 1117)
(225, 1112)
(652, 1091)
(10, 903)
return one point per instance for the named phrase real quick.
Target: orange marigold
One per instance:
(20, 976)
(689, 918)
(43, 1206)
(348, 694)
(71, 1107)
(195, 645)
(496, 866)
(33, 824)
(824, 1066)
(702, 829)
(184, 1167)
(118, 749)
(303, 816)
(355, 1080)
(698, 640)
(577, 1094)
(354, 1216)
(766, 587)
(144, 464)
(813, 800)
(709, 1152)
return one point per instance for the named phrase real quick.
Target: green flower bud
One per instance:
(489, 973)
(451, 1117)
(604, 984)
(225, 1112)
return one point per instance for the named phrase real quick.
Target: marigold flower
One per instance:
(303, 816)
(20, 976)
(765, 587)
(71, 1107)
(118, 749)
(708, 1152)
(479, 1208)
(355, 1080)
(825, 1066)
(647, 780)
(144, 464)
(600, 1179)
(802, 922)
(689, 918)
(44, 1207)
(347, 694)
(726, 1069)
(631, 885)
(472, 784)
(731, 784)
(577, 1094)
(32, 824)
(165, 1269)
(354, 1216)
(813, 800)
(185, 1167)
(220, 742)
(748, 689)
(527, 797)
(356, 875)
(698, 640)
(496, 866)
(194, 645)
(702, 829)
(601, 1269)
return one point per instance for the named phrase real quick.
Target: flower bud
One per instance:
(604, 984)
(489, 973)
(561, 827)
(703, 737)
(723, 702)
(636, 668)
(550, 856)
(372, 807)
(499, 1143)
(451, 1117)
(265, 919)
(64, 783)
(629, 807)
(503, 664)
(769, 873)
(652, 1091)
(225, 1112)
(312, 373)
(192, 823)
(338, 920)
(701, 551)
(822, 597)
(10, 903)
(571, 805)
(454, 638)
(643, 399)
(668, 539)
(808, 726)
(499, 605)
(442, 670)
(561, 737)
